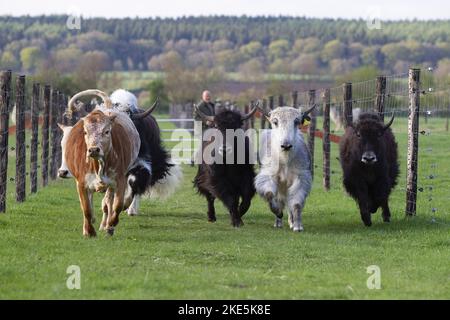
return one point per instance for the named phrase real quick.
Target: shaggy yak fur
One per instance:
(368, 155)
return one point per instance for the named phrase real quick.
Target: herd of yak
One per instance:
(116, 149)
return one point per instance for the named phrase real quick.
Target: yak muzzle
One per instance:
(63, 174)
(286, 146)
(94, 152)
(369, 157)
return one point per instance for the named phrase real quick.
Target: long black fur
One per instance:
(227, 182)
(152, 152)
(369, 184)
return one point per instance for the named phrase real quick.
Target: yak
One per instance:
(369, 160)
(229, 182)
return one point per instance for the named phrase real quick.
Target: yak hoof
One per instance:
(132, 213)
(367, 223)
(110, 231)
(212, 220)
(89, 234)
(278, 223)
(298, 229)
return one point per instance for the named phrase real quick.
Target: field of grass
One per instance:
(170, 251)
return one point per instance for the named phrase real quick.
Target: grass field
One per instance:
(170, 251)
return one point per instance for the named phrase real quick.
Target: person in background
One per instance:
(206, 106)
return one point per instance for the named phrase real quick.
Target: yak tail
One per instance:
(165, 187)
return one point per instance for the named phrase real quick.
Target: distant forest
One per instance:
(249, 46)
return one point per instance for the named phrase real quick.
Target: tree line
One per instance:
(249, 46)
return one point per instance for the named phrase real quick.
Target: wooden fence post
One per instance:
(413, 141)
(5, 97)
(271, 107)
(326, 139)
(280, 100)
(59, 136)
(34, 137)
(348, 104)
(263, 119)
(252, 119)
(54, 136)
(45, 136)
(312, 127)
(20, 140)
(294, 98)
(380, 96)
(246, 122)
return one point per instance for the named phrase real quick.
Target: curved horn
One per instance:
(309, 110)
(265, 114)
(251, 113)
(135, 116)
(390, 122)
(71, 107)
(203, 116)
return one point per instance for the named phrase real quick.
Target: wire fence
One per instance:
(30, 141)
(422, 110)
(30, 151)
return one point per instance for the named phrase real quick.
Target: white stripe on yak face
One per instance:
(63, 171)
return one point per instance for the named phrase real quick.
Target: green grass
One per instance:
(170, 251)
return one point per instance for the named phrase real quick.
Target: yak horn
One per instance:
(309, 110)
(390, 122)
(135, 116)
(71, 104)
(203, 116)
(251, 113)
(265, 114)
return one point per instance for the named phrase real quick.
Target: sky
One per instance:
(383, 9)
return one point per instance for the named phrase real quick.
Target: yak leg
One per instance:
(107, 203)
(134, 206)
(232, 203)
(267, 188)
(247, 193)
(117, 207)
(211, 210)
(86, 206)
(363, 202)
(291, 219)
(386, 212)
(277, 209)
(91, 195)
(297, 194)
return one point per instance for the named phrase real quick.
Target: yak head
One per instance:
(285, 122)
(97, 128)
(63, 171)
(368, 133)
(226, 120)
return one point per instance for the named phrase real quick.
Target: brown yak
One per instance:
(99, 151)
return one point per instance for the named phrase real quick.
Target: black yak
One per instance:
(368, 156)
(229, 182)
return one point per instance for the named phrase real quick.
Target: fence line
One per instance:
(53, 104)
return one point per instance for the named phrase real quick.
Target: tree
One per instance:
(91, 64)
(278, 49)
(30, 57)
(9, 61)
(333, 49)
(157, 89)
